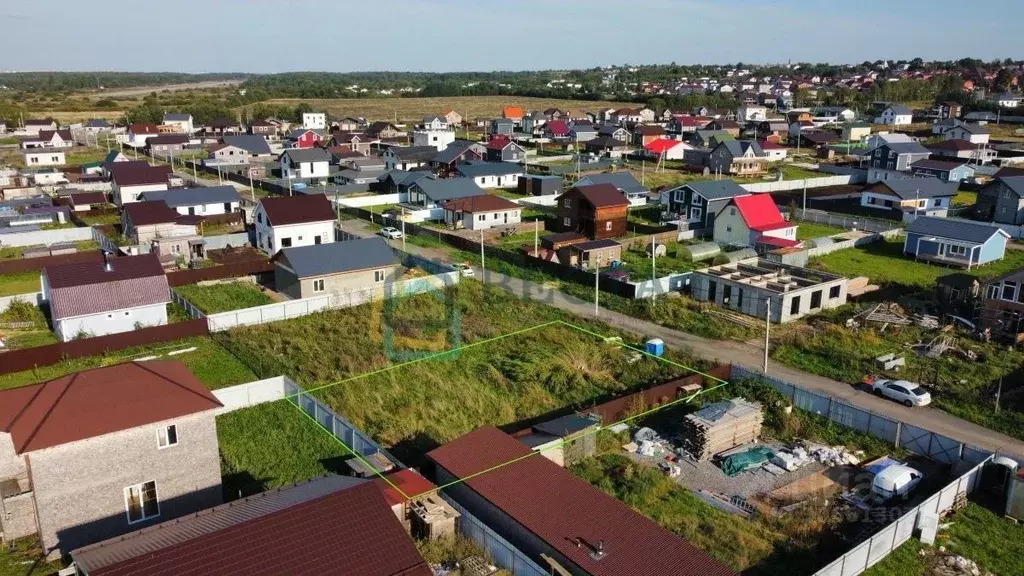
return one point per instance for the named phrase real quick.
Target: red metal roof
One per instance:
(351, 531)
(560, 508)
(766, 145)
(480, 203)
(411, 483)
(499, 142)
(662, 145)
(137, 173)
(100, 401)
(301, 209)
(602, 195)
(759, 212)
(514, 112)
(558, 127)
(779, 242)
(143, 129)
(150, 212)
(85, 288)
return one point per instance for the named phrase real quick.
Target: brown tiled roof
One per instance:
(100, 401)
(65, 135)
(481, 203)
(150, 212)
(137, 173)
(83, 288)
(168, 139)
(349, 531)
(955, 145)
(144, 129)
(650, 130)
(403, 485)
(285, 210)
(937, 164)
(602, 195)
(560, 508)
(85, 198)
(1008, 171)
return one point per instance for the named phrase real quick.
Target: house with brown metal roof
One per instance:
(292, 221)
(597, 211)
(97, 453)
(106, 296)
(168, 233)
(128, 180)
(480, 212)
(329, 525)
(557, 519)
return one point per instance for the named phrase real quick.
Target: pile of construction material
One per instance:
(721, 426)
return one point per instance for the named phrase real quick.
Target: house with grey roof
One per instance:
(893, 159)
(955, 241)
(459, 151)
(255, 144)
(398, 181)
(699, 203)
(945, 170)
(335, 268)
(431, 192)
(198, 201)
(305, 163)
(408, 157)
(624, 181)
(973, 133)
(179, 122)
(895, 115)
(1002, 201)
(737, 158)
(913, 197)
(491, 174)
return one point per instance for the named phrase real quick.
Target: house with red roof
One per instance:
(557, 519)
(667, 149)
(98, 453)
(745, 219)
(501, 148)
(329, 525)
(773, 151)
(556, 129)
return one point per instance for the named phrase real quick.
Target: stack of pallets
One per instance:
(721, 426)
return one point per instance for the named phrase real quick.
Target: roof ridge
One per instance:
(178, 384)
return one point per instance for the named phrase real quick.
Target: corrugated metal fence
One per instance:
(505, 554)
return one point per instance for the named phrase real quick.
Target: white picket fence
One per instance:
(253, 393)
(783, 185)
(375, 200)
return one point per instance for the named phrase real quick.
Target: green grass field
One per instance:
(427, 403)
(271, 445)
(100, 220)
(25, 558)
(884, 263)
(808, 230)
(20, 283)
(638, 262)
(965, 198)
(976, 533)
(214, 298)
(210, 363)
(17, 252)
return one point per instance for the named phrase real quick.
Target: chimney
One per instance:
(107, 267)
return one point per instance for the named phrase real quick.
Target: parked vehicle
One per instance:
(390, 232)
(902, 391)
(463, 269)
(896, 481)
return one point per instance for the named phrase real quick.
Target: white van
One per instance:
(895, 481)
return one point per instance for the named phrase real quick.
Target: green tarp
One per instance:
(737, 463)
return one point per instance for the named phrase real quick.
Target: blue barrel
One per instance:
(655, 347)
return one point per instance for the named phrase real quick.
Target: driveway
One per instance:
(747, 354)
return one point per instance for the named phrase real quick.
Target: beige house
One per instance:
(481, 212)
(170, 234)
(142, 449)
(335, 268)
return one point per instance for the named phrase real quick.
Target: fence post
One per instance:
(899, 432)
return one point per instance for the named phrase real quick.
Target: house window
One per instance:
(318, 285)
(567, 203)
(732, 212)
(954, 250)
(815, 299)
(286, 242)
(167, 436)
(695, 200)
(1009, 291)
(379, 275)
(608, 225)
(566, 222)
(833, 292)
(728, 228)
(141, 503)
(318, 239)
(259, 217)
(993, 292)
(794, 305)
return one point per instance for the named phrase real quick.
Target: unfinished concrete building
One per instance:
(746, 286)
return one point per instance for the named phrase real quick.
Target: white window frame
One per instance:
(608, 225)
(318, 285)
(380, 275)
(163, 438)
(956, 250)
(142, 502)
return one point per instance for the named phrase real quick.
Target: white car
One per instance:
(895, 481)
(902, 391)
(390, 232)
(463, 269)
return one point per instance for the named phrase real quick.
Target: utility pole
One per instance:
(654, 275)
(483, 265)
(536, 238)
(597, 286)
(252, 190)
(999, 393)
(767, 327)
(403, 228)
(805, 199)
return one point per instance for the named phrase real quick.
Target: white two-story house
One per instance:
(895, 115)
(314, 120)
(289, 221)
(305, 163)
(210, 201)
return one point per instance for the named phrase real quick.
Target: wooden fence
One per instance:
(235, 270)
(29, 358)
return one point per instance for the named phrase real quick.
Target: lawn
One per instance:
(38, 334)
(965, 198)
(223, 297)
(418, 406)
(25, 558)
(211, 364)
(791, 172)
(220, 229)
(884, 263)
(271, 445)
(19, 283)
(414, 109)
(78, 155)
(807, 230)
(637, 261)
(100, 220)
(976, 533)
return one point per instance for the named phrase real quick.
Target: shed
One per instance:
(703, 251)
(741, 254)
(538, 185)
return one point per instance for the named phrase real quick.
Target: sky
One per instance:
(266, 36)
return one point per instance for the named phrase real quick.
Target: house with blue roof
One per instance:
(954, 241)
